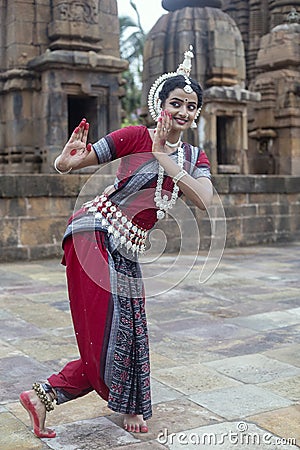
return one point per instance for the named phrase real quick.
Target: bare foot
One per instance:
(37, 413)
(135, 423)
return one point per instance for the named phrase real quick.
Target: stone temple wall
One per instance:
(34, 210)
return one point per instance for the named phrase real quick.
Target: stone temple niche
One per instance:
(59, 62)
(219, 66)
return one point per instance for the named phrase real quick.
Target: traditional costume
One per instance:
(101, 247)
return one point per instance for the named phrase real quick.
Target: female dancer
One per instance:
(101, 245)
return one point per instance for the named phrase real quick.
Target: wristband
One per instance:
(59, 171)
(178, 177)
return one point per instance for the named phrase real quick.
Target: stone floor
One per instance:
(225, 355)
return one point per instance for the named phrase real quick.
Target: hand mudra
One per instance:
(76, 149)
(163, 128)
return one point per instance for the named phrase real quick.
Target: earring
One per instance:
(194, 124)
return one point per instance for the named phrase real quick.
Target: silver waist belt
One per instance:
(127, 233)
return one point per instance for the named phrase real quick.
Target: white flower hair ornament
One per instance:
(184, 69)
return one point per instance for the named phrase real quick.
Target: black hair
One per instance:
(179, 81)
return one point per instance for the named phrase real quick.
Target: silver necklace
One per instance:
(176, 144)
(163, 203)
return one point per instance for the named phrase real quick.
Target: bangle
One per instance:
(59, 171)
(178, 177)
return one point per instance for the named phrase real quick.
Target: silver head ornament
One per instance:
(184, 69)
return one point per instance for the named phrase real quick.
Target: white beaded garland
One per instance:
(163, 203)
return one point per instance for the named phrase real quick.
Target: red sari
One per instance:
(105, 285)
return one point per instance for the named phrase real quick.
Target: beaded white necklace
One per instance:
(163, 203)
(175, 144)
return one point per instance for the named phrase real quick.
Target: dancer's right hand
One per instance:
(163, 128)
(76, 149)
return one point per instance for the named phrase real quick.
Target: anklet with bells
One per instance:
(43, 396)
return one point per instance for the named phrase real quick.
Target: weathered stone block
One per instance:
(295, 226)
(9, 233)
(234, 231)
(110, 24)
(261, 198)
(42, 251)
(235, 199)
(54, 207)
(18, 55)
(223, 59)
(74, 29)
(264, 224)
(293, 199)
(282, 223)
(239, 199)
(19, 32)
(13, 253)
(16, 207)
(41, 231)
(269, 184)
(205, 226)
(241, 184)
(42, 12)
(294, 209)
(221, 183)
(240, 211)
(3, 207)
(23, 130)
(223, 39)
(269, 209)
(292, 184)
(32, 185)
(8, 186)
(63, 186)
